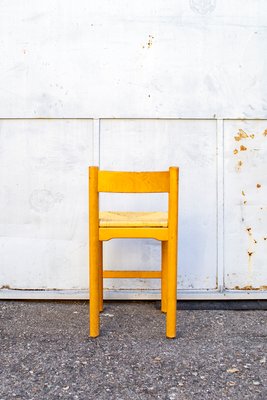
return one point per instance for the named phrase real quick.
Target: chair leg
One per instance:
(172, 289)
(94, 289)
(100, 276)
(164, 277)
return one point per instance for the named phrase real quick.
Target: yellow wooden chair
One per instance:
(108, 225)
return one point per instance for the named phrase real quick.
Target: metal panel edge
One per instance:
(132, 295)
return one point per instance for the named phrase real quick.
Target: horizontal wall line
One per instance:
(9, 294)
(138, 118)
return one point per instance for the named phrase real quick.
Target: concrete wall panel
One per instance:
(246, 204)
(156, 145)
(43, 202)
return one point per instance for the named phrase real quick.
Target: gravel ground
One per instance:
(46, 353)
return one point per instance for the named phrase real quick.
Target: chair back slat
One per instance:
(134, 182)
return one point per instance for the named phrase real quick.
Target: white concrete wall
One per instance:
(43, 202)
(133, 85)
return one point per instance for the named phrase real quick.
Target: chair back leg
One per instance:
(100, 276)
(164, 275)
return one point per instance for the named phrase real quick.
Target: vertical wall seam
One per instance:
(220, 204)
(96, 142)
(99, 141)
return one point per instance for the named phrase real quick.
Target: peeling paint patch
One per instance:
(202, 7)
(43, 200)
(241, 135)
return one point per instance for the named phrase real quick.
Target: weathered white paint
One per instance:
(133, 85)
(43, 203)
(148, 59)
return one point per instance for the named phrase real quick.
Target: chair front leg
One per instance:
(172, 289)
(94, 288)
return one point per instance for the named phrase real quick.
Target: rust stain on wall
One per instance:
(258, 185)
(249, 231)
(150, 42)
(235, 151)
(239, 165)
(250, 253)
(243, 148)
(250, 287)
(265, 132)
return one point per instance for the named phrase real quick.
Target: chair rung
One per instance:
(132, 274)
(138, 233)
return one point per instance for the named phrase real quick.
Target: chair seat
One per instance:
(114, 219)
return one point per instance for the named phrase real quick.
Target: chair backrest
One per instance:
(134, 182)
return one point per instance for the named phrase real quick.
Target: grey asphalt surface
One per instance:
(45, 353)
